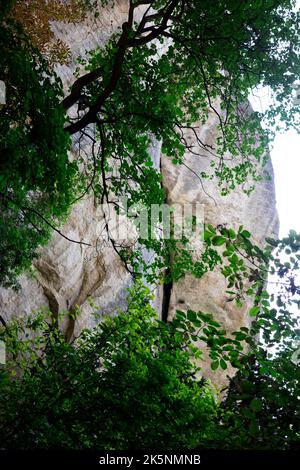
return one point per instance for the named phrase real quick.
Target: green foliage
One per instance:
(37, 179)
(5, 7)
(261, 410)
(127, 384)
(132, 382)
(246, 268)
(168, 92)
(264, 406)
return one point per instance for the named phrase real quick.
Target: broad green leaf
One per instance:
(218, 240)
(214, 365)
(254, 311)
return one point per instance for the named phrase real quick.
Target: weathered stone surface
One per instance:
(257, 213)
(68, 273)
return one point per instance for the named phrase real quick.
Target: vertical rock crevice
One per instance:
(166, 298)
(168, 285)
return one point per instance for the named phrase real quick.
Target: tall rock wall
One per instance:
(256, 212)
(68, 273)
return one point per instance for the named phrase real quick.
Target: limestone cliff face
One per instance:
(67, 273)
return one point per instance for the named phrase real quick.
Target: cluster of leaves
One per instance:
(37, 182)
(263, 405)
(5, 7)
(127, 384)
(132, 383)
(248, 267)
